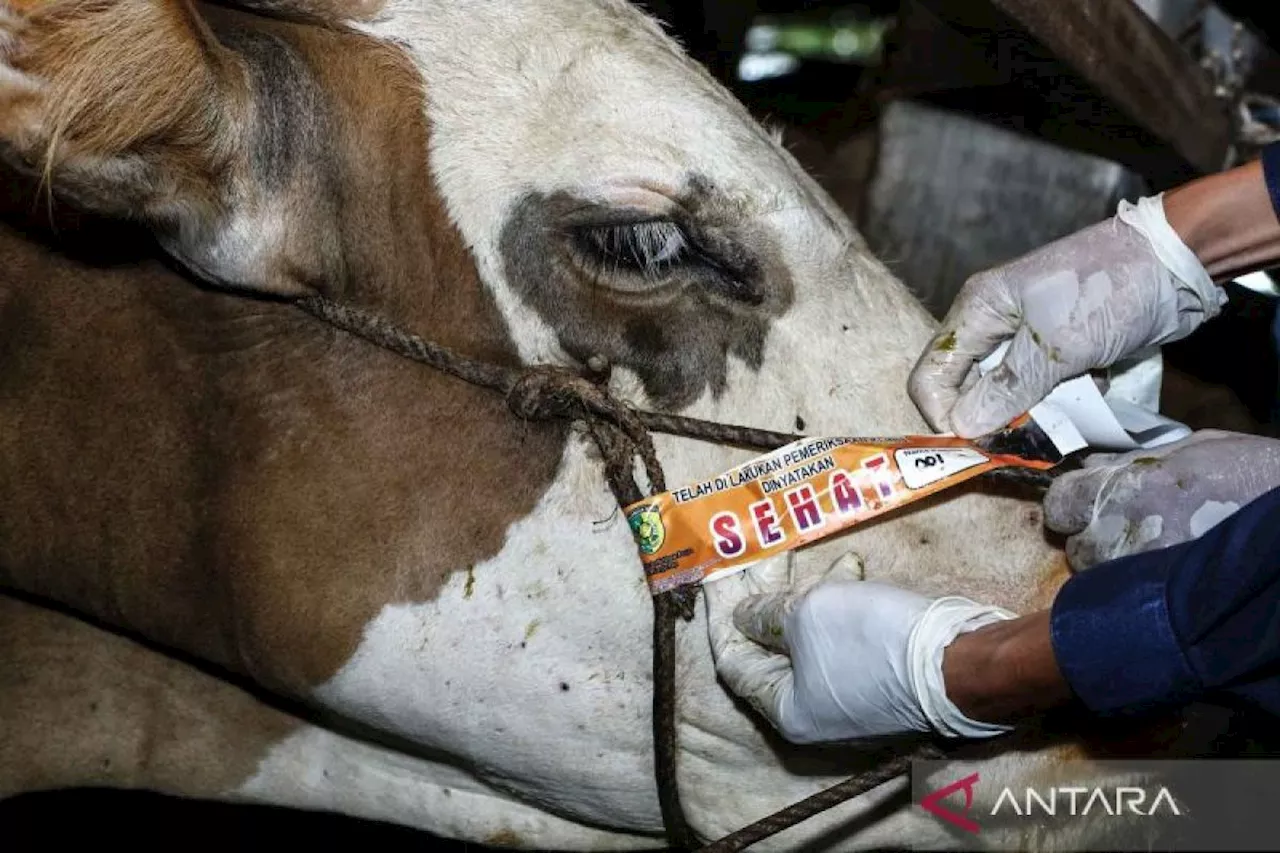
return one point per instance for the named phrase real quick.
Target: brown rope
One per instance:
(820, 802)
(617, 450)
(543, 393)
(622, 434)
(524, 384)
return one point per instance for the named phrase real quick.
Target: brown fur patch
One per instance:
(124, 76)
(123, 72)
(82, 707)
(231, 477)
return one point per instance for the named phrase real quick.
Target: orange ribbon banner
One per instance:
(806, 491)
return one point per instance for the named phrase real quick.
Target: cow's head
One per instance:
(556, 171)
(549, 179)
(616, 201)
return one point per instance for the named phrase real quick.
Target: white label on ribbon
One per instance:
(923, 466)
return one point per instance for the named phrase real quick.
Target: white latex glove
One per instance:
(1083, 302)
(1122, 504)
(850, 660)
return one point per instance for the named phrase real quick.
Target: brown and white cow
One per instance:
(523, 180)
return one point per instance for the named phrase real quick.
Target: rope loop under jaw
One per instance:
(548, 392)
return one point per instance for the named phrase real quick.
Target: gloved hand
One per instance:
(849, 660)
(1083, 302)
(1122, 504)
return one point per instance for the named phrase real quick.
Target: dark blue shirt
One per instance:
(1271, 170)
(1173, 625)
(1170, 626)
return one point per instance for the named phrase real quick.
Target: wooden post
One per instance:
(1111, 81)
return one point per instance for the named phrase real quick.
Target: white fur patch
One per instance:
(316, 769)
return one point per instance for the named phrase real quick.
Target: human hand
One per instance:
(1122, 504)
(1083, 302)
(850, 660)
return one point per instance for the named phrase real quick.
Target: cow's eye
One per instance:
(657, 255)
(651, 248)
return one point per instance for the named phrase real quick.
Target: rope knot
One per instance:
(547, 392)
(550, 392)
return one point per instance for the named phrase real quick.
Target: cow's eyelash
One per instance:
(649, 251)
(650, 248)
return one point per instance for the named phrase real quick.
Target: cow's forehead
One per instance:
(590, 97)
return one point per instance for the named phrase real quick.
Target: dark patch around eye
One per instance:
(678, 345)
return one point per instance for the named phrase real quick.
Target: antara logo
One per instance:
(932, 803)
(1075, 801)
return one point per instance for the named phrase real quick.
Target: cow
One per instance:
(356, 584)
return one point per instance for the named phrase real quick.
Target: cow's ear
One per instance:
(145, 109)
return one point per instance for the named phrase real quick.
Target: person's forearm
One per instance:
(1005, 672)
(1228, 220)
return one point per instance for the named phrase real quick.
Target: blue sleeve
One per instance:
(1271, 172)
(1169, 626)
